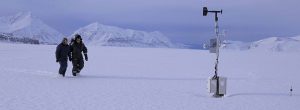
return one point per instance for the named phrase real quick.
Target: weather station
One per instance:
(216, 84)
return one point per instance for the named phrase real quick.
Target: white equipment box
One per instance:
(212, 85)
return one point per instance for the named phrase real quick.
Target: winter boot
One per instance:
(74, 73)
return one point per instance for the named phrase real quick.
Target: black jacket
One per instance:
(76, 49)
(62, 52)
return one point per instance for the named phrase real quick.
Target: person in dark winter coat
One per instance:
(72, 41)
(76, 49)
(62, 54)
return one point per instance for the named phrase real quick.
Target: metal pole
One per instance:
(218, 44)
(217, 53)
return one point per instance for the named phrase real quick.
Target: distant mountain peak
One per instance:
(105, 35)
(94, 26)
(25, 25)
(21, 16)
(276, 39)
(275, 44)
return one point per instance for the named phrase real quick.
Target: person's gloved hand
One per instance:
(70, 59)
(57, 60)
(85, 57)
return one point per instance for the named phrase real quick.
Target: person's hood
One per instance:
(62, 41)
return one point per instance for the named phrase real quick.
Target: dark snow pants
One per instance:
(63, 67)
(78, 64)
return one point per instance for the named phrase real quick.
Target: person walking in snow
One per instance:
(76, 49)
(72, 41)
(62, 53)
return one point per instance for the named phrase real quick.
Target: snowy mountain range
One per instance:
(275, 44)
(26, 28)
(25, 25)
(104, 35)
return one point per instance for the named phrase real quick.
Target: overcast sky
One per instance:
(180, 20)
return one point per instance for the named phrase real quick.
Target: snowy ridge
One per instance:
(297, 38)
(103, 35)
(25, 25)
(275, 44)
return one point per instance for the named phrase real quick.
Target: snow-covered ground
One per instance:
(118, 78)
